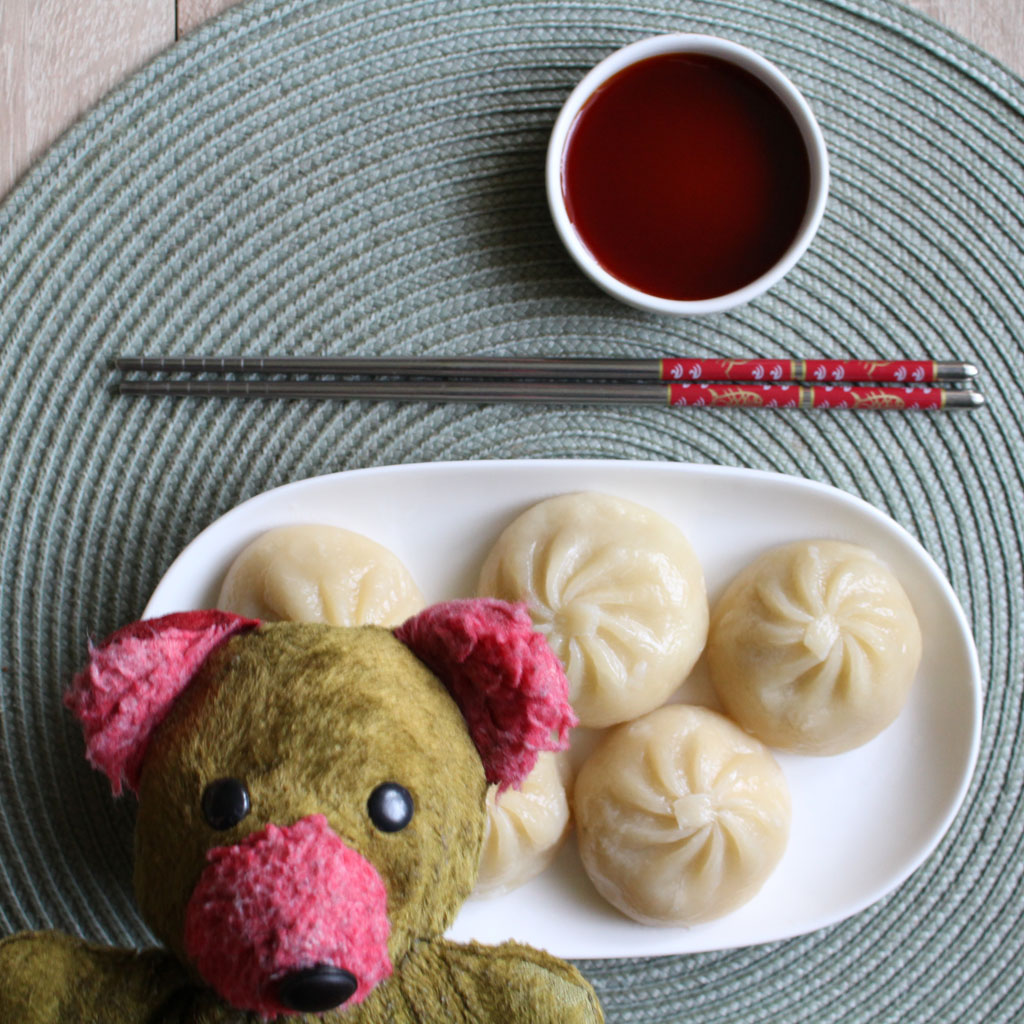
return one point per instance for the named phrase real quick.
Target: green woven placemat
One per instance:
(308, 177)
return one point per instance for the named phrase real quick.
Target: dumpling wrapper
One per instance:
(318, 573)
(681, 816)
(617, 591)
(525, 827)
(814, 647)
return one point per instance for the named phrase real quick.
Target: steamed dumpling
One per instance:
(814, 647)
(681, 816)
(319, 574)
(617, 591)
(525, 827)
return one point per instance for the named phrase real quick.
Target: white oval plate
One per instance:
(862, 821)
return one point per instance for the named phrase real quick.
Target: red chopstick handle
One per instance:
(894, 371)
(804, 396)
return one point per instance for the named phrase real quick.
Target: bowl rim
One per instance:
(742, 57)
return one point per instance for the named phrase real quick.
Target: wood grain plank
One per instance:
(57, 57)
(997, 26)
(192, 13)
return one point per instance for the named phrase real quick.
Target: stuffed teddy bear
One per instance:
(311, 808)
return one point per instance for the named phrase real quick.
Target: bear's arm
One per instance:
(443, 982)
(50, 978)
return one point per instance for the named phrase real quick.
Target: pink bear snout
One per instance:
(289, 920)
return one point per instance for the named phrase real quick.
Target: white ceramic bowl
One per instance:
(743, 58)
(862, 821)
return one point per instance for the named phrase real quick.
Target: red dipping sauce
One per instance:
(686, 176)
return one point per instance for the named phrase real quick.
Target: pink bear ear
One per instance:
(133, 678)
(503, 675)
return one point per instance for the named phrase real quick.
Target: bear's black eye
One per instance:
(225, 803)
(390, 807)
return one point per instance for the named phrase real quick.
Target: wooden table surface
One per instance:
(57, 57)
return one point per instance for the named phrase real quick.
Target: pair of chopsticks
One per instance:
(902, 384)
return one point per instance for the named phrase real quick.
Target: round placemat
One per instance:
(367, 177)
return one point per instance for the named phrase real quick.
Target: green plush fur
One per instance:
(46, 977)
(313, 718)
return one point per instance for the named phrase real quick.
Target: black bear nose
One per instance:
(316, 989)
